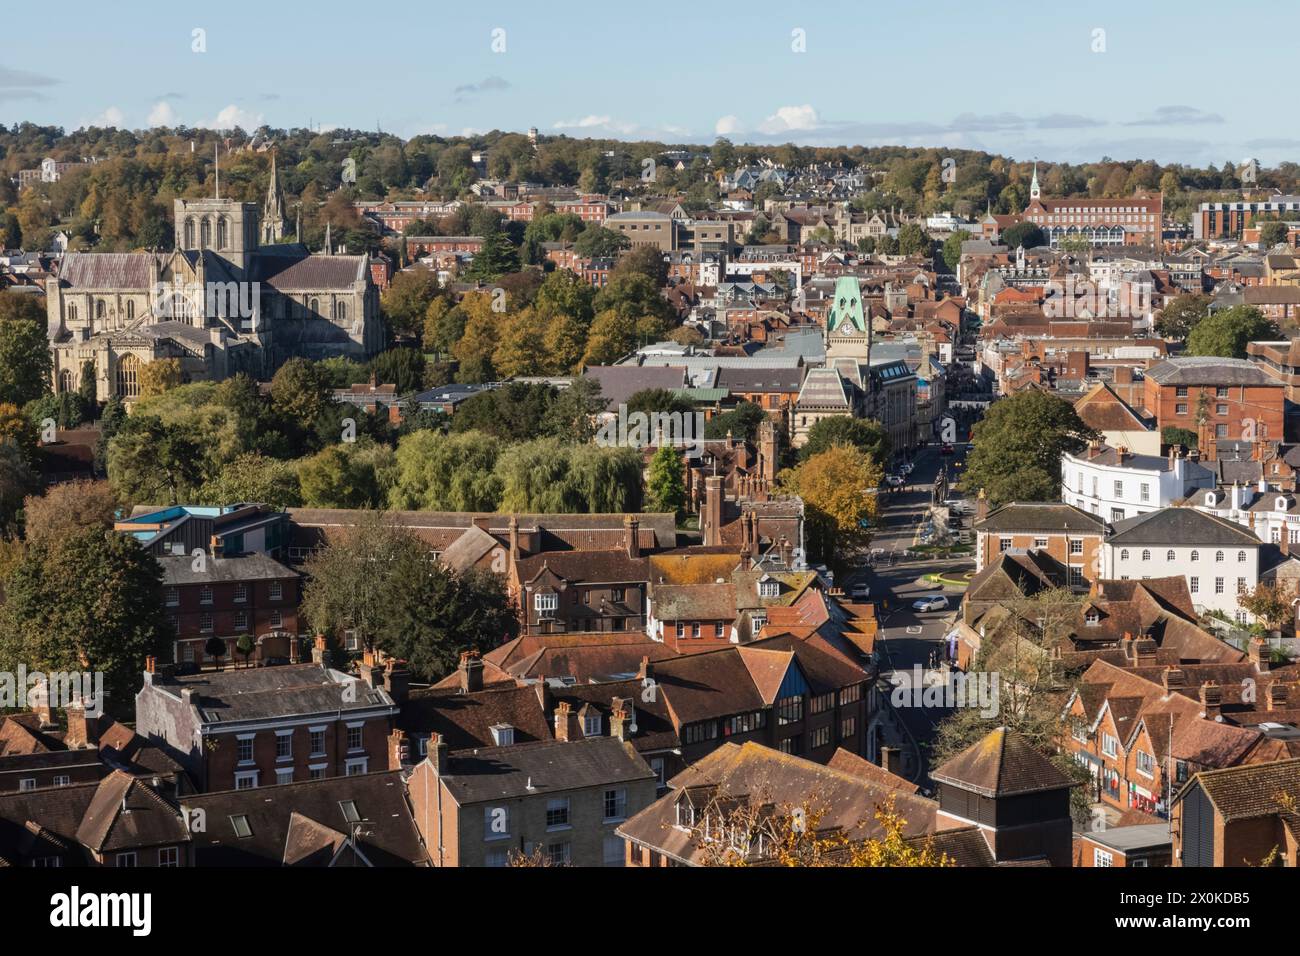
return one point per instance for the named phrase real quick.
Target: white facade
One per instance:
(1114, 486)
(1215, 574)
(1272, 516)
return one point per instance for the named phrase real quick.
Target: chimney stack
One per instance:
(632, 533)
(471, 672)
(83, 731)
(787, 552)
(440, 752)
(566, 723)
(318, 651)
(711, 520)
(621, 719)
(1173, 677)
(891, 759)
(39, 697)
(1277, 696)
(397, 681)
(514, 538)
(1211, 696)
(1258, 652)
(399, 750)
(646, 670)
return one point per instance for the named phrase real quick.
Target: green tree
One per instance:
(406, 302)
(437, 472)
(740, 422)
(1025, 234)
(67, 509)
(92, 601)
(402, 367)
(1272, 233)
(1181, 314)
(1226, 333)
(913, 241)
(838, 491)
(952, 248)
(865, 434)
(255, 477)
(150, 462)
(346, 475)
(17, 481)
(300, 393)
(25, 362)
(666, 487)
(1018, 447)
(497, 257)
(597, 242)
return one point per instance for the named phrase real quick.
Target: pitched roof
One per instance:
(1102, 410)
(1181, 526)
(257, 693)
(1022, 516)
(1208, 370)
(1243, 793)
(292, 824)
(1002, 764)
(497, 773)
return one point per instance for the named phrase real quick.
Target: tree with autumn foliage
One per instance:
(838, 488)
(755, 832)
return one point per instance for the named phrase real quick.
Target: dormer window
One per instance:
(503, 735)
(546, 603)
(1209, 498)
(591, 725)
(1280, 503)
(769, 589)
(1091, 617)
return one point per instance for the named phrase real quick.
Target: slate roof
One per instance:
(179, 569)
(1208, 370)
(1040, 516)
(107, 270)
(1002, 764)
(292, 823)
(308, 273)
(259, 693)
(1182, 526)
(502, 773)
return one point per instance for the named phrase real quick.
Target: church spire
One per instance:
(1034, 191)
(273, 208)
(329, 244)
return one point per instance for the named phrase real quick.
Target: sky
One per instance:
(1192, 81)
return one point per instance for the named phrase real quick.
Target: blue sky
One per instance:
(1188, 81)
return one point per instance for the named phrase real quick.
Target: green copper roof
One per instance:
(847, 306)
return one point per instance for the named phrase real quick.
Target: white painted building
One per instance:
(1114, 484)
(1272, 516)
(1219, 558)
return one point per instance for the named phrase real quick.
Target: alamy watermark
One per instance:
(931, 688)
(638, 429)
(233, 300)
(1081, 298)
(57, 690)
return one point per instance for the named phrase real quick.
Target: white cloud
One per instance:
(162, 114)
(233, 116)
(728, 125)
(587, 122)
(789, 118)
(110, 117)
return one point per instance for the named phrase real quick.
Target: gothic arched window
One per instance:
(205, 234)
(65, 381)
(130, 309)
(189, 233)
(128, 385)
(223, 230)
(101, 308)
(313, 305)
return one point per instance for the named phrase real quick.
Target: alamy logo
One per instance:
(227, 300)
(929, 688)
(1081, 298)
(56, 690)
(638, 429)
(76, 909)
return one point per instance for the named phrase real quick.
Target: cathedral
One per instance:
(232, 297)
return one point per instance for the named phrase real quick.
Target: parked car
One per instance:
(894, 481)
(933, 602)
(860, 591)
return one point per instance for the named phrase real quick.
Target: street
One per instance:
(909, 637)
